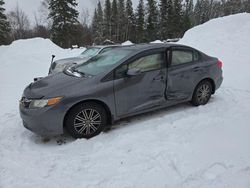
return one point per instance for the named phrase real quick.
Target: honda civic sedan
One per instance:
(119, 83)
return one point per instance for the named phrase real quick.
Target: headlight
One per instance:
(40, 103)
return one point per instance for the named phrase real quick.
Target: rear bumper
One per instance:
(218, 82)
(46, 121)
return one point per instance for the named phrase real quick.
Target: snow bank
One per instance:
(127, 43)
(178, 147)
(227, 38)
(156, 41)
(24, 60)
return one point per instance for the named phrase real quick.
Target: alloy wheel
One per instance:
(87, 122)
(204, 93)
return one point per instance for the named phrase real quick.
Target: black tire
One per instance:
(202, 93)
(78, 121)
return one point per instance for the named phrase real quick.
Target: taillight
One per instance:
(219, 63)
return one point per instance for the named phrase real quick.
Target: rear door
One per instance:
(145, 90)
(183, 73)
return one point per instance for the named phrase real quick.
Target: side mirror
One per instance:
(133, 72)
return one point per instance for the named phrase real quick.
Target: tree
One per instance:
(177, 19)
(130, 25)
(114, 20)
(152, 20)
(187, 15)
(246, 5)
(163, 19)
(43, 13)
(107, 19)
(100, 22)
(85, 17)
(95, 27)
(64, 17)
(170, 19)
(121, 21)
(19, 24)
(140, 22)
(4, 25)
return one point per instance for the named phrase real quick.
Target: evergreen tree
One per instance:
(197, 12)
(163, 19)
(95, 27)
(177, 19)
(170, 19)
(100, 21)
(188, 15)
(121, 21)
(64, 17)
(140, 22)
(202, 11)
(107, 19)
(114, 20)
(216, 10)
(152, 20)
(246, 5)
(130, 25)
(4, 25)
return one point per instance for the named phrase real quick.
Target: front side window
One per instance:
(148, 63)
(144, 64)
(181, 57)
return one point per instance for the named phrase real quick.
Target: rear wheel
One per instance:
(86, 120)
(202, 93)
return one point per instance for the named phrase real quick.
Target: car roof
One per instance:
(142, 47)
(136, 48)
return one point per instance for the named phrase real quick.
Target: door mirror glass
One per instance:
(134, 72)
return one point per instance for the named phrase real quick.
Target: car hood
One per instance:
(52, 86)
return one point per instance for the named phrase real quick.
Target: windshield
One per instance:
(90, 52)
(102, 62)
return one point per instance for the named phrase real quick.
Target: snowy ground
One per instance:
(179, 147)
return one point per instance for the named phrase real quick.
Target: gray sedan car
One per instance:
(61, 64)
(116, 84)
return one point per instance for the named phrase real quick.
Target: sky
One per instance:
(31, 7)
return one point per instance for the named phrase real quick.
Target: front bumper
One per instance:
(47, 121)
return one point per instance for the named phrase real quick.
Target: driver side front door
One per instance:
(144, 90)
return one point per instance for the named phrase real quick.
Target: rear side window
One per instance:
(181, 57)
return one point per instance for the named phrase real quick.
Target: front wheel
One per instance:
(86, 120)
(202, 93)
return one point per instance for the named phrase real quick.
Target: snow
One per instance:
(156, 42)
(229, 39)
(126, 43)
(181, 146)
